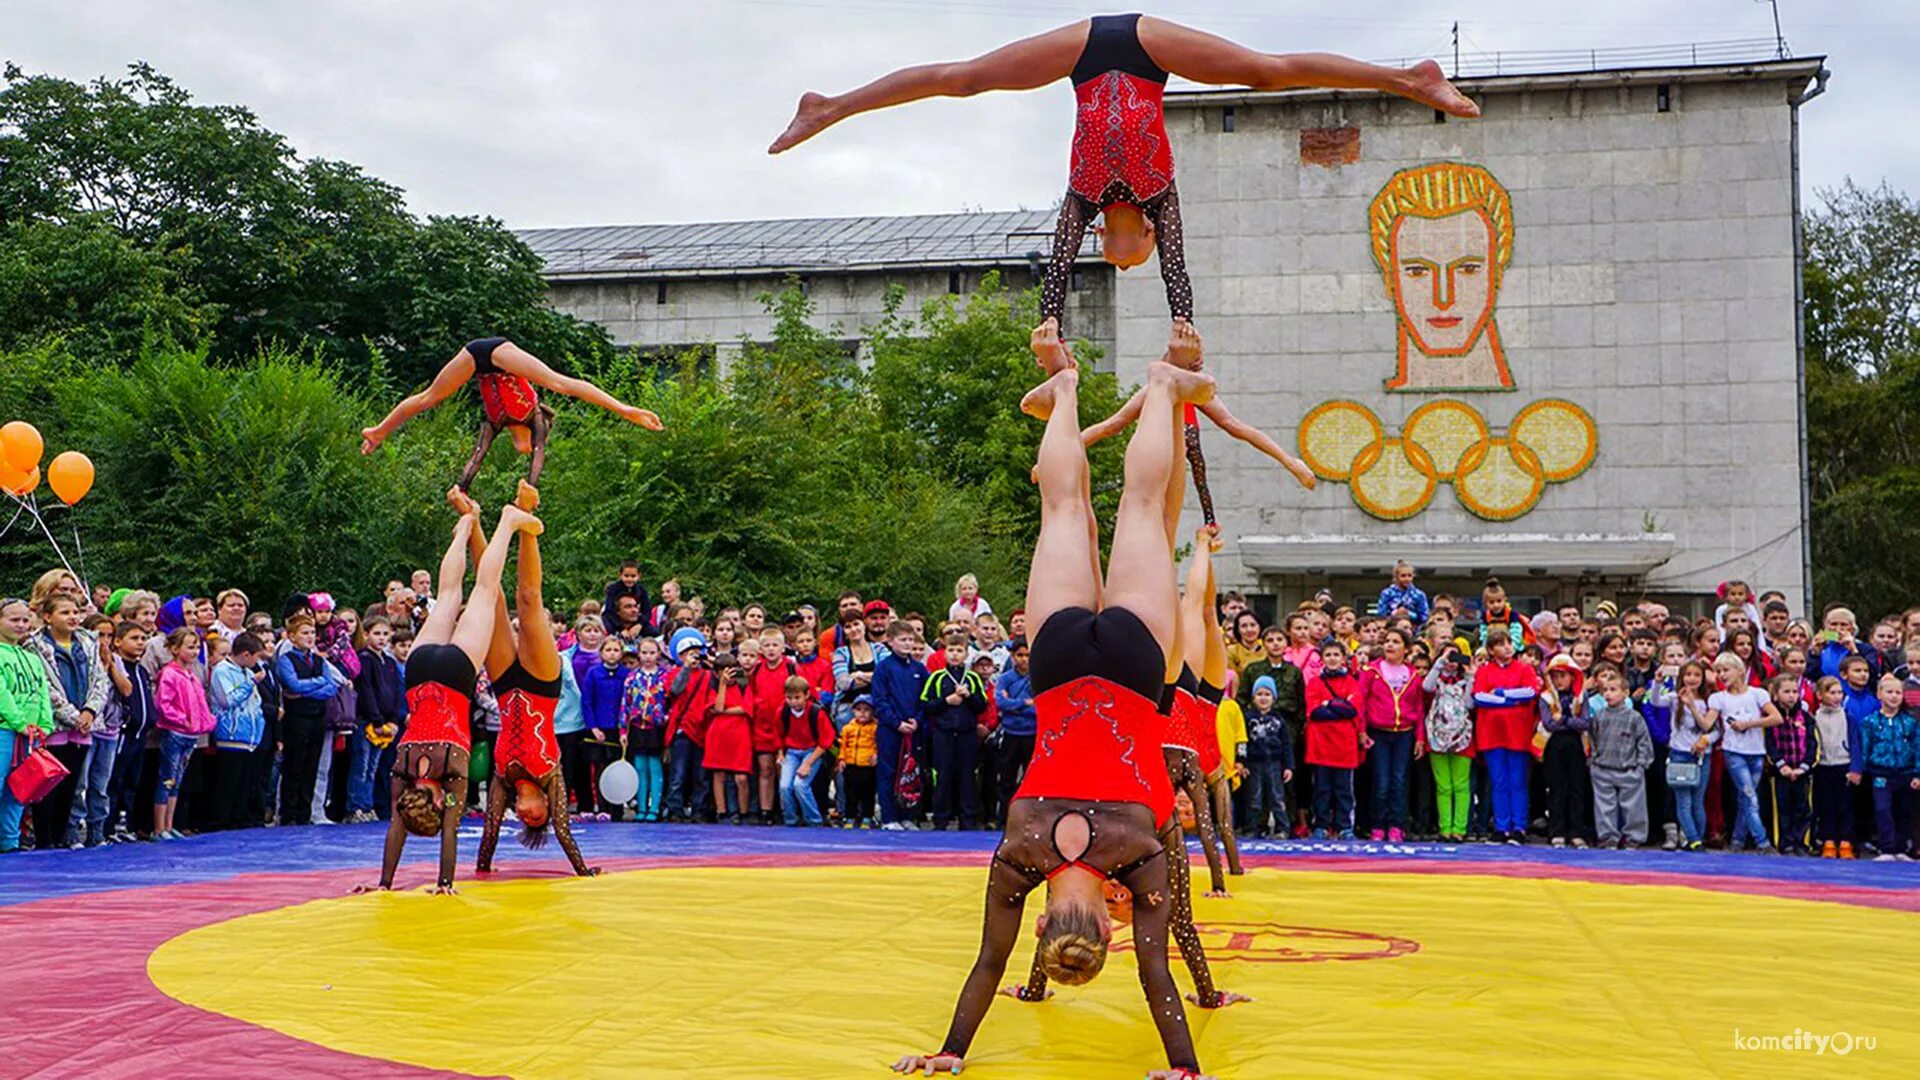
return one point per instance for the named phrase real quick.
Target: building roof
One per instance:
(797, 245)
(1519, 72)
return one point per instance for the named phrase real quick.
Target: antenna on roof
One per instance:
(1779, 39)
(1456, 49)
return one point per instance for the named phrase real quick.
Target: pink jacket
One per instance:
(1384, 710)
(182, 702)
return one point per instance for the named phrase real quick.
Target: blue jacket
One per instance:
(1013, 695)
(567, 716)
(896, 691)
(382, 689)
(1269, 739)
(235, 700)
(303, 695)
(953, 718)
(1411, 598)
(601, 693)
(1886, 746)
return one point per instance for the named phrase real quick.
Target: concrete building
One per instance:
(1559, 343)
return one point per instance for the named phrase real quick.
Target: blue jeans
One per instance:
(1333, 800)
(1745, 771)
(683, 777)
(652, 785)
(1689, 803)
(796, 794)
(1507, 770)
(11, 809)
(92, 795)
(365, 772)
(1266, 799)
(886, 766)
(1391, 757)
(175, 751)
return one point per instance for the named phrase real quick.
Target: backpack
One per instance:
(908, 784)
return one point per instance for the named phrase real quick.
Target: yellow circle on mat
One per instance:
(832, 972)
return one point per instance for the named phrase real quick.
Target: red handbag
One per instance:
(36, 776)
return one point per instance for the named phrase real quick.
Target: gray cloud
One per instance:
(604, 112)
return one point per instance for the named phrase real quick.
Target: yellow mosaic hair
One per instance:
(1437, 190)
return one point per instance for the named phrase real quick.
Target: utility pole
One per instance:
(1456, 43)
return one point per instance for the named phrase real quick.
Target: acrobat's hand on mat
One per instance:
(592, 871)
(1218, 894)
(358, 889)
(1018, 992)
(445, 890)
(1220, 999)
(1178, 1074)
(928, 1064)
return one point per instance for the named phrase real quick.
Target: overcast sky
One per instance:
(576, 112)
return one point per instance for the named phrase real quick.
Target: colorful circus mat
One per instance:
(755, 952)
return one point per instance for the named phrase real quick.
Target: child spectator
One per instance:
(93, 787)
(305, 688)
(1738, 597)
(1013, 700)
(814, 667)
(1496, 611)
(380, 694)
(766, 691)
(1792, 747)
(1836, 735)
(1569, 787)
(602, 692)
(689, 697)
(627, 586)
(643, 713)
(1506, 693)
(729, 749)
(898, 679)
(1449, 730)
(858, 752)
(1302, 648)
(1622, 750)
(1394, 707)
(238, 726)
(967, 603)
(951, 701)
(132, 701)
(1336, 737)
(1744, 713)
(78, 683)
(184, 717)
(1269, 763)
(806, 735)
(26, 709)
(1886, 766)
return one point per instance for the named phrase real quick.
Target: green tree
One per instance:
(1862, 283)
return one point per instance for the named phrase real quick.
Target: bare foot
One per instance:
(462, 502)
(1188, 387)
(644, 417)
(1049, 351)
(1039, 401)
(520, 521)
(810, 119)
(1428, 85)
(1184, 347)
(528, 498)
(371, 438)
(1300, 472)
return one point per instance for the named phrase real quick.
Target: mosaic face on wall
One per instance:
(1442, 236)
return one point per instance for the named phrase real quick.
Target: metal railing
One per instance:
(1475, 62)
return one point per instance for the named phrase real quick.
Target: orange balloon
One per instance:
(21, 444)
(70, 475)
(10, 477)
(19, 483)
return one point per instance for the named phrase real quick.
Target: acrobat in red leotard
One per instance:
(526, 737)
(507, 398)
(440, 685)
(1098, 741)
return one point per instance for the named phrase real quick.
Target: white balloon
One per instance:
(619, 783)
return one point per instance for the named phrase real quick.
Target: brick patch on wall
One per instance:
(1329, 147)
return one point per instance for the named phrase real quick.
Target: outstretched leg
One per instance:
(1140, 572)
(1024, 65)
(1216, 411)
(473, 634)
(1206, 58)
(518, 361)
(451, 377)
(1065, 570)
(450, 590)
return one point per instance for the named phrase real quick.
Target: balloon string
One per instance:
(34, 506)
(18, 509)
(80, 556)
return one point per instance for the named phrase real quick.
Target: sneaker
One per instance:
(1695, 845)
(1517, 839)
(733, 819)
(1559, 841)
(74, 843)
(1846, 849)
(1346, 834)
(1672, 840)
(1580, 842)
(1378, 835)
(322, 820)
(1396, 836)
(894, 826)
(1883, 858)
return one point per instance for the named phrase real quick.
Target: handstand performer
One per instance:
(1095, 798)
(524, 667)
(506, 376)
(430, 774)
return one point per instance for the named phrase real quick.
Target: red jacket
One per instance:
(1506, 706)
(766, 697)
(1381, 708)
(691, 710)
(1334, 727)
(819, 674)
(808, 731)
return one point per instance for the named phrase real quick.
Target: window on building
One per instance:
(953, 282)
(1439, 117)
(659, 363)
(660, 292)
(1226, 119)
(1077, 283)
(1663, 98)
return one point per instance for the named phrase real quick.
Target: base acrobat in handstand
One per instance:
(523, 665)
(1094, 799)
(506, 376)
(430, 773)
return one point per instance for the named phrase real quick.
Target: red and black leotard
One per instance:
(507, 398)
(1121, 155)
(440, 685)
(526, 737)
(1099, 741)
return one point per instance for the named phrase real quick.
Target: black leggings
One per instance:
(1114, 645)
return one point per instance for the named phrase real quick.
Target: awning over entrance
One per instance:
(1581, 553)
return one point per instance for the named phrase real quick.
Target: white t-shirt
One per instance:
(1745, 705)
(980, 607)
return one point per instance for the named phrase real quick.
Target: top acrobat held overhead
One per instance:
(506, 376)
(1122, 162)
